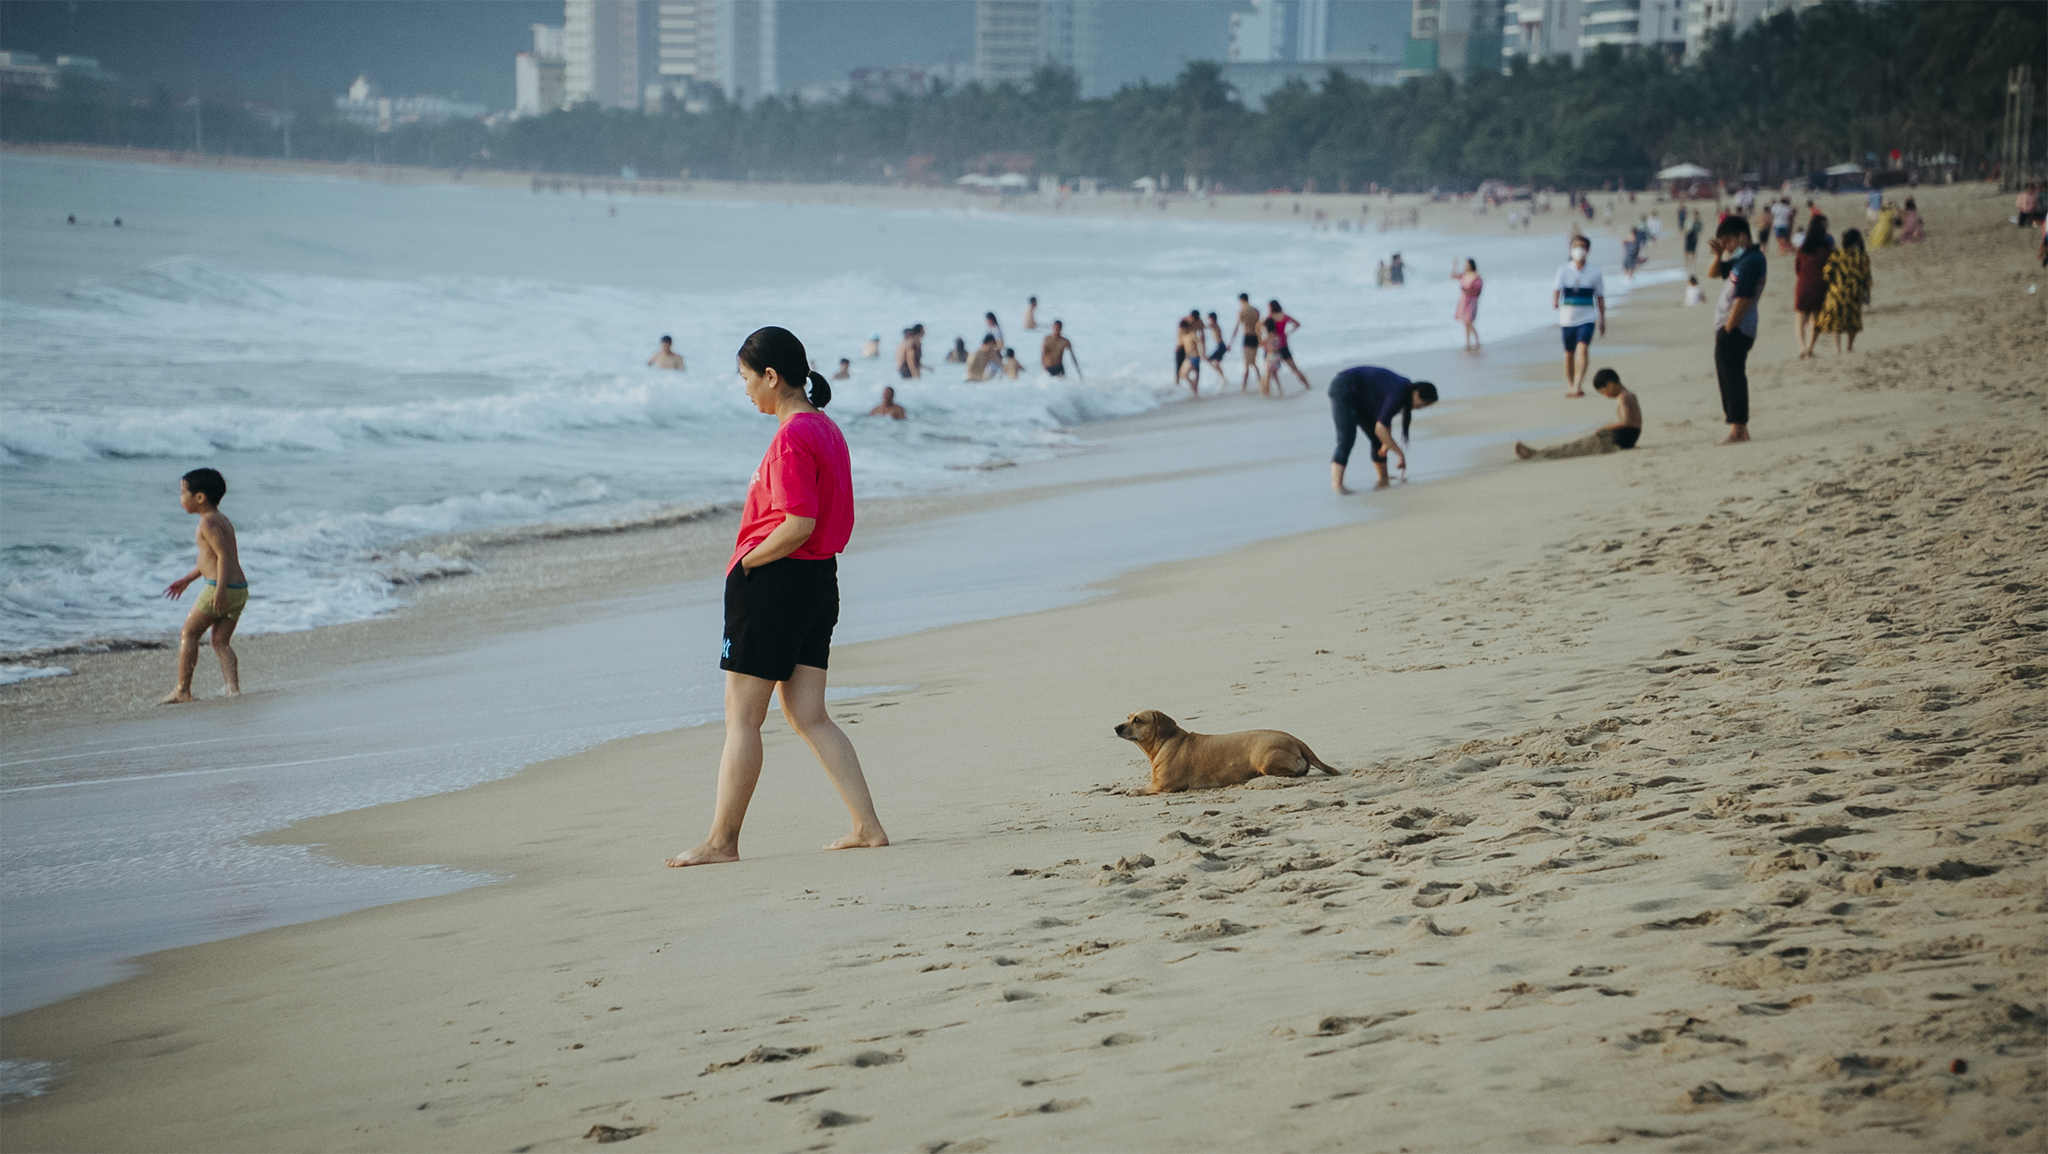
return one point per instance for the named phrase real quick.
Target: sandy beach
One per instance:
(1692, 798)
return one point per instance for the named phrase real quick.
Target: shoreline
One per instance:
(1463, 623)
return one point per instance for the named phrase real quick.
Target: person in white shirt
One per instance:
(1580, 297)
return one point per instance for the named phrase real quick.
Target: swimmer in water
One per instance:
(666, 357)
(888, 408)
(1053, 354)
(1031, 315)
(982, 365)
(1012, 367)
(219, 608)
(845, 370)
(872, 349)
(908, 359)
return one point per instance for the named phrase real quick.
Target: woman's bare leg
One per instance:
(803, 703)
(739, 769)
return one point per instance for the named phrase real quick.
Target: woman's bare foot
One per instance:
(860, 839)
(1579, 393)
(1523, 451)
(175, 697)
(706, 854)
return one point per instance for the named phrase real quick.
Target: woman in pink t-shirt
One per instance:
(782, 596)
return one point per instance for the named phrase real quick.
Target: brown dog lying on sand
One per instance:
(1183, 760)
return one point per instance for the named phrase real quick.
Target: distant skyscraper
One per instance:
(727, 45)
(538, 77)
(1015, 38)
(1540, 29)
(1642, 23)
(601, 52)
(1282, 40)
(1454, 36)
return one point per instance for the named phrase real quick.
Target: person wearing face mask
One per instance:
(1580, 297)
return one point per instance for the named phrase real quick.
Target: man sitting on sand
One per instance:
(1052, 356)
(1626, 430)
(888, 408)
(666, 357)
(982, 365)
(219, 608)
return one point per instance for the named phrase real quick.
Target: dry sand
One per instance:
(1694, 801)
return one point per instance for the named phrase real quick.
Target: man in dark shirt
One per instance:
(1742, 264)
(1369, 397)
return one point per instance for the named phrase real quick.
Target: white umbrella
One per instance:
(977, 180)
(1684, 172)
(1014, 180)
(1845, 170)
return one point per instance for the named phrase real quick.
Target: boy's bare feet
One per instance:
(1735, 438)
(859, 840)
(1579, 393)
(1523, 451)
(176, 697)
(706, 854)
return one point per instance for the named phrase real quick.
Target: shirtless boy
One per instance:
(227, 587)
(1626, 430)
(666, 357)
(1247, 324)
(1052, 356)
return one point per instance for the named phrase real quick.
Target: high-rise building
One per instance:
(1540, 30)
(1702, 17)
(1282, 40)
(1015, 38)
(601, 52)
(1454, 36)
(1639, 23)
(539, 84)
(729, 46)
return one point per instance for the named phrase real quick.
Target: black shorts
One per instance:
(1283, 354)
(1180, 359)
(1058, 370)
(1250, 341)
(780, 616)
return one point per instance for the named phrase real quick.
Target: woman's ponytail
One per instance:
(777, 348)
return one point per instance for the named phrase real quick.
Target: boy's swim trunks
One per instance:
(223, 602)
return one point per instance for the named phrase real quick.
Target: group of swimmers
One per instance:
(993, 357)
(1258, 334)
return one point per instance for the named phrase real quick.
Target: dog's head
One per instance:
(1147, 727)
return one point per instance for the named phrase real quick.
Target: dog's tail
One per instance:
(1317, 762)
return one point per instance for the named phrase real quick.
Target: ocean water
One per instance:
(371, 364)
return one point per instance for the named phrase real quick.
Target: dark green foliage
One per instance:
(1796, 93)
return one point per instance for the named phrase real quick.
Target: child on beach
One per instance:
(1626, 430)
(219, 608)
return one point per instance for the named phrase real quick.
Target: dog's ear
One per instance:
(1162, 725)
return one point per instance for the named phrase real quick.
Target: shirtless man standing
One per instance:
(666, 357)
(1052, 356)
(1248, 325)
(227, 587)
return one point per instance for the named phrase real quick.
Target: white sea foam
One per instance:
(9, 674)
(21, 1079)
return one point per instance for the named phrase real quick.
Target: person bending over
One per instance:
(1626, 430)
(1369, 397)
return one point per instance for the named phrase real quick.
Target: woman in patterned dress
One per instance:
(1848, 278)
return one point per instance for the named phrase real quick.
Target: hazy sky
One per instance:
(465, 47)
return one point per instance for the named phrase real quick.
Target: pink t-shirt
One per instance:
(806, 472)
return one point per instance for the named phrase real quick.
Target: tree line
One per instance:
(1841, 81)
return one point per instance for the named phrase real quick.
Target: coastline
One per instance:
(1525, 669)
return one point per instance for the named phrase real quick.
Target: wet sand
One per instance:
(1692, 798)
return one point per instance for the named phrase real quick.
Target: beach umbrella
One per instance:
(1013, 180)
(1684, 172)
(1845, 170)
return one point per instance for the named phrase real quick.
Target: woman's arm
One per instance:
(787, 538)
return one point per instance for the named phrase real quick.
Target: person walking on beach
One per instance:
(1248, 324)
(1280, 325)
(1626, 430)
(1810, 284)
(1053, 354)
(1221, 347)
(219, 608)
(1692, 240)
(1180, 355)
(1469, 288)
(1848, 289)
(1781, 223)
(782, 596)
(1741, 263)
(1579, 295)
(666, 357)
(1369, 397)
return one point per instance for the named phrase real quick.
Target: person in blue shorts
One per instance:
(1580, 297)
(1369, 397)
